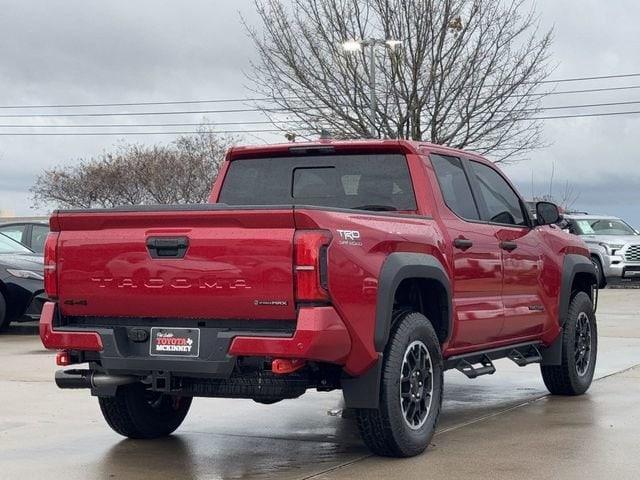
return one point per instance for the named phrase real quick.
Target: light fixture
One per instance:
(392, 44)
(352, 46)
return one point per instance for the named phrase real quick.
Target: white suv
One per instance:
(614, 245)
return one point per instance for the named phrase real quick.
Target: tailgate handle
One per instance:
(167, 247)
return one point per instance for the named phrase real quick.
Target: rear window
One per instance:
(368, 182)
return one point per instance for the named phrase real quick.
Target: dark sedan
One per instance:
(21, 282)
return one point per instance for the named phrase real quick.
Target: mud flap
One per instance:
(552, 355)
(363, 391)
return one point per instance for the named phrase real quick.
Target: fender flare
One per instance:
(396, 268)
(364, 391)
(573, 265)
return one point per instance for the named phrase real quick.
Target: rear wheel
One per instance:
(579, 351)
(136, 412)
(410, 391)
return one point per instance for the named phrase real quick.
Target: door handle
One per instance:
(508, 246)
(167, 247)
(462, 243)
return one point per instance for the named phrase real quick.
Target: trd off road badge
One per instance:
(350, 237)
(175, 341)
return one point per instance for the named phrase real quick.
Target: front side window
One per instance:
(455, 186)
(501, 202)
(377, 182)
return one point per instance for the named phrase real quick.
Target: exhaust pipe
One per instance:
(91, 379)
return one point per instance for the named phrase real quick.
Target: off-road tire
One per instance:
(4, 315)
(602, 281)
(135, 412)
(385, 430)
(564, 379)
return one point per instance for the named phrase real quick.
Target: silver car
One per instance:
(614, 245)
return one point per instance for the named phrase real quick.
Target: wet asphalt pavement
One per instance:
(500, 426)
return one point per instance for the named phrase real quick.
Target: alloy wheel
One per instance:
(583, 344)
(416, 385)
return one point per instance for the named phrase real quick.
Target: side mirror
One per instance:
(547, 213)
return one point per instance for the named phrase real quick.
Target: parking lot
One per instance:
(500, 426)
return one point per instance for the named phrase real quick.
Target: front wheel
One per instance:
(597, 264)
(136, 412)
(410, 391)
(579, 351)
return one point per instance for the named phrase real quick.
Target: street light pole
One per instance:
(372, 88)
(371, 44)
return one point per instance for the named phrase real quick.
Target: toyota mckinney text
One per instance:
(366, 266)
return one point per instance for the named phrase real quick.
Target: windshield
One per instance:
(367, 182)
(8, 245)
(603, 226)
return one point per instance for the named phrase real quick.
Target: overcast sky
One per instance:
(82, 51)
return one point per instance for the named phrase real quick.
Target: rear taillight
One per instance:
(50, 260)
(311, 265)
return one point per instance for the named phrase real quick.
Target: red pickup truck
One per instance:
(366, 266)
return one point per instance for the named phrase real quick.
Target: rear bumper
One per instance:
(54, 339)
(320, 335)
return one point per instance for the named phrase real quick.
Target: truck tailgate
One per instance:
(205, 262)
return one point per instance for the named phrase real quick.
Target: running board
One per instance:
(486, 367)
(480, 363)
(525, 356)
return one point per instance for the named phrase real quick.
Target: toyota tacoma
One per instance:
(366, 266)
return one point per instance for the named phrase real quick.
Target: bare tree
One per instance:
(468, 73)
(566, 200)
(180, 172)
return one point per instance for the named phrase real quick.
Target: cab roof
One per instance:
(329, 146)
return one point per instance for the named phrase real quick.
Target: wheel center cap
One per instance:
(416, 384)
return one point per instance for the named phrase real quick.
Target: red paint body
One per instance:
(238, 257)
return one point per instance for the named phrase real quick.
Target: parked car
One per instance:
(614, 246)
(366, 266)
(30, 234)
(21, 282)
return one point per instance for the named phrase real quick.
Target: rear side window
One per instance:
(368, 182)
(455, 186)
(502, 203)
